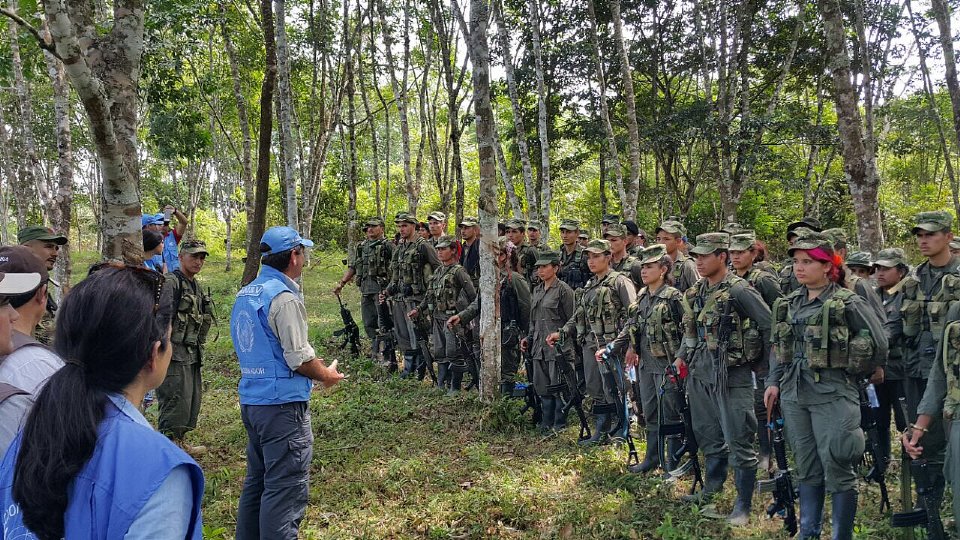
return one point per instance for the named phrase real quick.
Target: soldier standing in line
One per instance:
(826, 340)
(449, 290)
(860, 264)
(470, 232)
(726, 333)
(788, 282)
(670, 234)
(583, 239)
(415, 260)
(437, 226)
(527, 254)
(601, 314)
(607, 221)
(573, 261)
(863, 287)
(620, 260)
(179, 395)
(551, 307)
(535, 238)
(636, 238)
(371, 270)
(45, 244)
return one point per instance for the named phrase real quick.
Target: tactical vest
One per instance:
(921, 311)
(372, 261)
(824, 338)
(661, 331)
(195, 315)
(412, 269)
(704, 317)
(677, 271)
(443, 291)
(951, 369)
(571, 268)
(605, 315)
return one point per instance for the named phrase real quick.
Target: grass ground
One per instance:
(399, 459)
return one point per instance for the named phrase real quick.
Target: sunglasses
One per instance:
(151, 277)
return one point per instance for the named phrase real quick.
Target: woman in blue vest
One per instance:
(87, 464)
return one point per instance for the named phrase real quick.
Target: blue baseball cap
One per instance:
(151, 219)
(281, 239)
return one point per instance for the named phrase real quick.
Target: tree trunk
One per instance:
(941, 11)
(633, 130)
(258, 224)
(512, 198)
(612, 152)
(31, 185)
(285, 112)
(402, 100)
(351, 168)
(546, 185)
(860, 169)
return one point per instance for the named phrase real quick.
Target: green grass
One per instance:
(399, 459)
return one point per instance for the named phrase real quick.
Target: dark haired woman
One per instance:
(87, 464)
(815, 375)
(153, 250)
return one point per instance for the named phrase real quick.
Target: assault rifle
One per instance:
(724, 333)
(350, 331)
(780, 482)
(928, 514)
(614, 379)
(386, 340)
(569, 386)
(472, 366)
(872, 466)
(689, 446)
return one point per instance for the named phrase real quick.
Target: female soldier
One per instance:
(551, 307)
(825, 339)
(653, 330)
(602, 312)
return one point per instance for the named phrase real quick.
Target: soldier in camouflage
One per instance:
(788, 282)
(620, 260)
(861, 264)
(863, 287)
(573, 261)
(636, 238)
(437, 226)
(46, 245)
(607, 221)
(670, 233)
(527, 254)
(535, 236)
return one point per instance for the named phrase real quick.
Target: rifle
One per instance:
(724, 332)
(472, 365)
(386, 340)
(614, 377)
(872, 465)
(780, 482)
(570, 387)
(531, 401)
(350, 331)
(690, 446)
(928, 514)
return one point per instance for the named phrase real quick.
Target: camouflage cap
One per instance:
(583, 236)
(809, 222)
(652, 254)
(534, 224)
(469, 222)
(743, 240)
(672, 227)
(598, 246)
(862, 259)
(610, 218)
(436, 216)
(569, 225)
(517, 224)
(707, 243)
(445, 242)
(808, 239)
(733, 228)
(615, 229)
(547, 257)
(837, 235)
(939, 220)
(403, 217)
(192, 247)
(890, 258)
(375, 221)
(955, 244)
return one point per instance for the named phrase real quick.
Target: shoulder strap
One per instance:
(7, 391)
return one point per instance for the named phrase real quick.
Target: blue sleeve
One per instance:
(167, 513)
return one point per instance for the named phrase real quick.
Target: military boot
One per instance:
(745, 478)
(673, 446)
(811, 511)
(652, 458)
(716, 475)
(456, 380)
(548, 406)
(559, 417)
(409, 363)
(421, 363)
(390, 356)
(601, 425)
(844, 509)
(443, 374)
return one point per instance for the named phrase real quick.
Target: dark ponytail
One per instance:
(106, 329)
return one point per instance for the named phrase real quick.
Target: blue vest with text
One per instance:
(129, 464)
(265, 378)
(171, 255)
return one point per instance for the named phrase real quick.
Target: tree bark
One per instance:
(399, 87)
(632, 188)
(285, 113)
(546, 184)
(512, 198)
(612, 152)
(31, 185)
(941, 11)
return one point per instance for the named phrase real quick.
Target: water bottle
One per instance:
(872, 397)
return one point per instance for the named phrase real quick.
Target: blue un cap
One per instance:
(281, 239)
(151, 219)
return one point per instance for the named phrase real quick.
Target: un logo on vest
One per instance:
(245, 331)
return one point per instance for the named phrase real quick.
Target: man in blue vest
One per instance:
(277, 370)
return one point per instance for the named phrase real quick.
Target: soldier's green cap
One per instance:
(469, 222)
(445, 242)
(436, 216)
(808, 239)
(707, 243)
(933, 221)
(955, 244)
(547, 257)
(860, 258)
(192, 247)
(598, 246)
(743, 240)
(890, 258)
(375, 221)
(837, 235)
(615, 229)
(583, 236)
(809, 222)
(733, 228)
(534, 224)
(517, 224)
(672, 227)
(652, 254)
(403, 217)
(39, 232)
(569, 225)
(610, 218)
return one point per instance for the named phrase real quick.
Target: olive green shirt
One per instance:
(935, 395)
(920, 351)
(765, 283)
(629, 266)
(684, 272)
(522, 290)
(461, 281)
(637, 316)
(626, 294)
(549, 310)
(427, 257)
(894, 370)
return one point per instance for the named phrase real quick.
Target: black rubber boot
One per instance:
(548, 406)
(443, 374)
(601, 425)
(409, 364)
(844, 509)
(506, 389)
(811, 510)
(651, 460)
(673, 446)
(715, 475)
(745, 479)
(456, 380)
(391, 357)
(559, 419)
(421, 364)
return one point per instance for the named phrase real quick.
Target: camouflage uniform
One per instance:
(628, 265)
(372, 268)
(684, 273)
